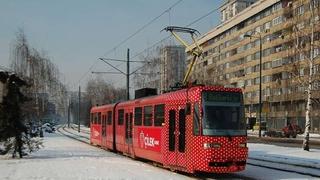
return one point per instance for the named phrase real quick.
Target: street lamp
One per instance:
(260, 78)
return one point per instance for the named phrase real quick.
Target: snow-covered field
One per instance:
(288, 155)
(63, 158)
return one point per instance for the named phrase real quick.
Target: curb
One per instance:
(253, 139)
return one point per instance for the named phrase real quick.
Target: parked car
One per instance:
(292, 130)
(273, 133)
(289, 131)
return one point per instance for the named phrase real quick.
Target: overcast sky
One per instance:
(75, 33)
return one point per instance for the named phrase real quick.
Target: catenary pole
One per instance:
(128, 74)
(69, 113)
(79, 110)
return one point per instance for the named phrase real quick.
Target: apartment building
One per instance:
(172, 66)
(231, 58)
(163, 70)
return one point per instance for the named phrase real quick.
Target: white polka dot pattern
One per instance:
(230, 157)
(196, 158)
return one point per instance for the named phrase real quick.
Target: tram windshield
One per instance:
(223, 114)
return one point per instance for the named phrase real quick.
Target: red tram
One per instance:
(197, 129)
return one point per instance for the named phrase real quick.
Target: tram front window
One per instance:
(223, 114)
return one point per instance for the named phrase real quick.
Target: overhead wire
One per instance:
(143, 27)
(167, 37)
(158, 42)
(129, 37)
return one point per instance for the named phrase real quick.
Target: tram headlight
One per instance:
(211, 145)
(243, 145)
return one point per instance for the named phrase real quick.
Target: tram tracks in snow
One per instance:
(81, 130)
(285, 167)
(73, 135)
(279, 166)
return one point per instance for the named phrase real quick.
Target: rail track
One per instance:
(279, 166)
(285, 167)
(73, 135)
(81, 130)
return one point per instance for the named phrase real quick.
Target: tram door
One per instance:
(177, 143)
(104, 131)
(128, 132)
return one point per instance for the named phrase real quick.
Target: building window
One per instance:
(300, 10)
(256, 80)
(266, 79)
(258, 29)
(267, 92)
(248, 70)
(277, 6)
(267, 12)
(257, 55)
(267, 25)
(248, 82)
(266, 65)
(277, 20)
(276, 92)
(276, 63)
(240, 84)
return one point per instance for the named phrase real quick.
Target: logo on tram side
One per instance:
(150, 139)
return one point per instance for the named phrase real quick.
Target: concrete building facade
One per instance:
(172, 66)
(163, 70)
(231, 8)
(232, 59)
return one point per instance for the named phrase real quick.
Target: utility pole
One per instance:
(79, 110)
(69, 113)
(128, 73)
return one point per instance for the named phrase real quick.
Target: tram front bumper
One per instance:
(225, 161)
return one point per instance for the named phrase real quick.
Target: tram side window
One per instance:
(138, 116)
(147, 119)
(196, 119)
(120, 116)
(95, 118)
(109, 120)
(158, 114)
(99, 118)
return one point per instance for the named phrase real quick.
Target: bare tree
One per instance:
(304, 47)
(100, 92)
(43, 76)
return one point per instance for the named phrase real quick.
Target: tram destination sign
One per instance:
(221, 96)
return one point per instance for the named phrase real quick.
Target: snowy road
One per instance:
(65, 158)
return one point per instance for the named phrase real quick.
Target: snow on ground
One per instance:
(260, 173)
(63, 158)
(288, 155)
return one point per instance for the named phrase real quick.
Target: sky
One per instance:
(75, 33)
